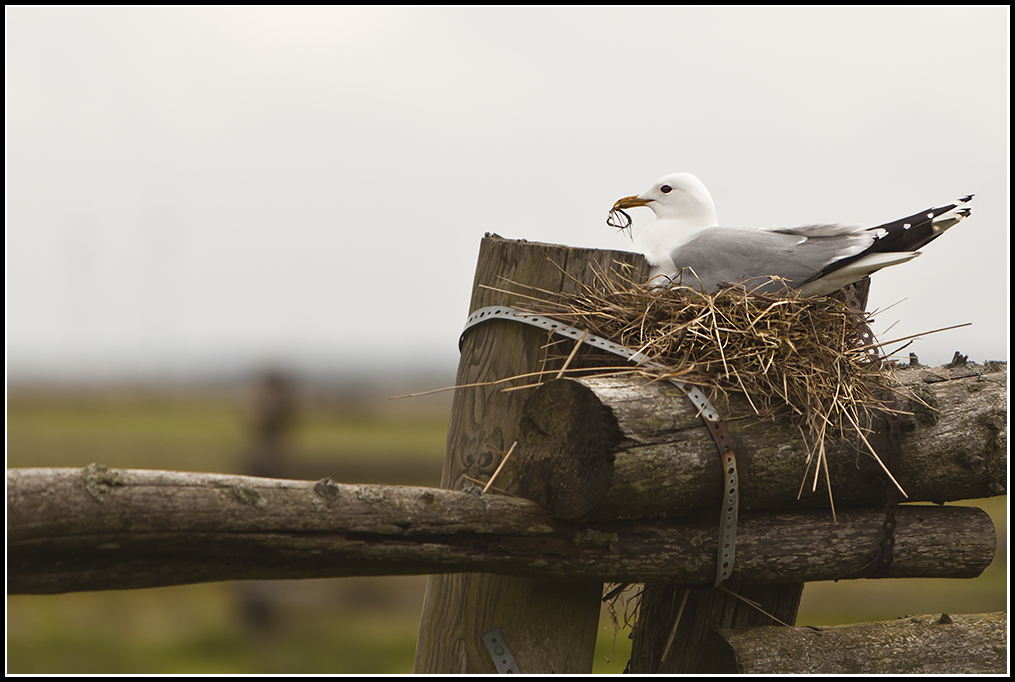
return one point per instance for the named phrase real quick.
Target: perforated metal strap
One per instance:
(728, 524)
(499, 652)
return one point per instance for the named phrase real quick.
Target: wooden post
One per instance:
(549, 626)
(676, 625)
(662, 644)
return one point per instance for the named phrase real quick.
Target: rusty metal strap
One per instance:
(885, 552)
(721, 436)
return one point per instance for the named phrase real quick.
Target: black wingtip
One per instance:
(967, 198)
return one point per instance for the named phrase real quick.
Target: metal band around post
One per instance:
(499, 652)
(721, 436)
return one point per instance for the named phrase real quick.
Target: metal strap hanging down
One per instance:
(728, 524)
(893, 496)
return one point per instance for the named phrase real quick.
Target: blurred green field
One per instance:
(351, 625)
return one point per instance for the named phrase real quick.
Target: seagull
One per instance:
(686, 245)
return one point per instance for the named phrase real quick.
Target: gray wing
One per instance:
(725, 255)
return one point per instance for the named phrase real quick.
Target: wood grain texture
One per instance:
(928, 644)
(100, 529)
(639, 450)
(484, 420)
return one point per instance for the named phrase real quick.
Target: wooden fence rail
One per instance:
(97, 529)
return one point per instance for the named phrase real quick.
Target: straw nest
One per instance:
(810, 358)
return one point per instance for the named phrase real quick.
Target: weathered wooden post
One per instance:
(548, 626)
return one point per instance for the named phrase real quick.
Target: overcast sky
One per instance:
(194, 190)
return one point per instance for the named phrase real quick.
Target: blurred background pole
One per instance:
(273, 411)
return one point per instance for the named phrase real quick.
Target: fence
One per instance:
(506, 567)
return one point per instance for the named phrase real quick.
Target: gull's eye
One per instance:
(665, 189)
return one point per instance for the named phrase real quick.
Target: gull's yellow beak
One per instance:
(631, 202)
